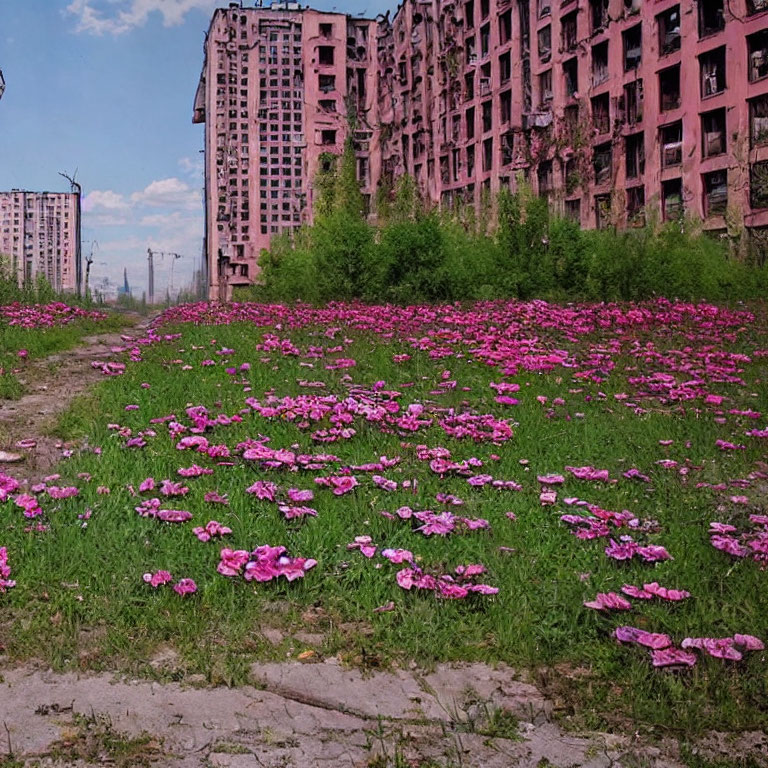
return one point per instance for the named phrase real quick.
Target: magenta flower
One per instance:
(173, 515)
(157, 579)
(6, 582)
(263, 489)
(641, 637)
(211, 529)
(609, 601)
(185, 587)
(364, 544)
(672, 657)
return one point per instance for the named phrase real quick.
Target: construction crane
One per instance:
(151, 270)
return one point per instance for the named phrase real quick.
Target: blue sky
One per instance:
(106, 87)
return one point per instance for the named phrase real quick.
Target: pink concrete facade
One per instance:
(39, 233)
(274, 95)
(617, 110)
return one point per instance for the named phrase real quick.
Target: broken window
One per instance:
(485, 8)
(634, 152)
(545, 177)
(602, 211)
(756, 6)
(601, 163)
(507, 147)
(758, 121)
(545, 43)
(636, 206)
(712, 67)
(325, 55)
(757, 47)
(445, 171)
(471, 160)
(485, 79)
(758, 184)
(327, 83)
(470, 123)
(711, 17)
(488, 154)
(469, 86)
(545, 8)
(715, 193)
(713, 133)
(572, 176)
(599, 63)
(669, 88)
(601, 118)
(363, 166)
(671, 140)
(505, 106)
(545, 87)
(505, 66)
(326, 31)
(456, 164)
(573, 210)
(471, 52)
(328, 137)
(485, 40)
(328, 105)
(672, 199)
(632, 39)
(571, 75)
(598, 14)
(568, 31)
(505, 27)
(669, 30)
(469, 13)
(633, 102)
(487, 115)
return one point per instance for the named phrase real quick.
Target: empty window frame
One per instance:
(633, 102)
(712, 71)
(671, 144)
(602, 211)
(668, 24)
(599, 63)
(672, 199)
(634, 155)
(632, 40)
(758, 184)
(601, 115)
(571, 76)
(636, 206)
(757, 52)
(325, 55)
(573, 210)
(713, 138)
(545, 43)
(602, 163)
(715, 188)
(711, 17)
(545, 177)
(669, 88)
(598, 14)
(568, 31)
(758, 121)
(545, 87)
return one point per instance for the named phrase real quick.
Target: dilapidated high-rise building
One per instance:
(39, 236)
(616, 110)
(276, 93)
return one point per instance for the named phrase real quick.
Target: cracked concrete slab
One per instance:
(308, 715)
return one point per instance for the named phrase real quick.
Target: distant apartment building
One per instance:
(276, 92)
(615, 110)
(39, 235)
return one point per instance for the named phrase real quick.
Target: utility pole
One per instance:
(88, 263)
(2, 84)
(151, 271)
(75, 187)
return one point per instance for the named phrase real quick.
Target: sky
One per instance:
(105, 88)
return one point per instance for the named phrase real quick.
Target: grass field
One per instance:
(669, 399)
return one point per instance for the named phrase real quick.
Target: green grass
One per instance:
(10, 387)
(80, 600)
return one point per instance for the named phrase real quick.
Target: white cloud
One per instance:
(104, 200)
(116, 17)
(192, 166)
(173, 193)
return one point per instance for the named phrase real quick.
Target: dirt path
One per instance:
(51, 384)
(306, 715)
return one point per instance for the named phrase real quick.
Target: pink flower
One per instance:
(364, 544)
(397, 556)
(211, 529)
(673, 595)
(185, 587)
(641, 637)
(173, 515)
(294, 494)
(609, 601)
(672, 657)
(157, 579)
(147, 485)
(263, 489)
(551, 479)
